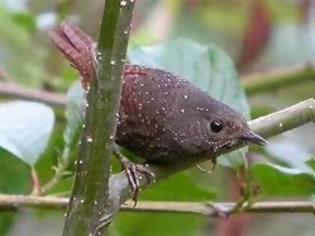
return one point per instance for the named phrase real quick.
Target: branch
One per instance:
(267, 126)
(90, 202)
(9, 90)
(11, 202)
(278, 78)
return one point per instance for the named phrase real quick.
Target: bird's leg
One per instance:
(134, 173)
(214, 163)
(247, 200)
(249, 192)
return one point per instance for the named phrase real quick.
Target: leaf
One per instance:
(153, 224)
(233, 159)
(74, 115)
(25, 128)
(207, 67)
(311, 163)
(287, 148)
(14, 179)
(277, 181)
(18, 46)
(26, 20)
(179, 187)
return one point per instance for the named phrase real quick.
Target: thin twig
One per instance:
(10, 202)
(274, 79)
(10, 90)
(36, 182)
(60, 171)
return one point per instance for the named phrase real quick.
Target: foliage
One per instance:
(31, 136)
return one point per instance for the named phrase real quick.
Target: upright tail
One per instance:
(77, 47)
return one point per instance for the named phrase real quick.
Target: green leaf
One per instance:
(25, 128)
(205, 66)
(26, 20)
(74, 115)
(277, 181)
(311, 163)
(14, 179)
(144, 224)
(22, 55)
(179, 187)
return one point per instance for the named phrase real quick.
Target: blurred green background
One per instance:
(258, 35)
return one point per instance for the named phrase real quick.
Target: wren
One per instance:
(163, 118)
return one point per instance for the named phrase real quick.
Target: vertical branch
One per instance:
(90, 200)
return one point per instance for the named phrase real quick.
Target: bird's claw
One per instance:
(135, 173)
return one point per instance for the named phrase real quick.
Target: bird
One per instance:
(163, 118)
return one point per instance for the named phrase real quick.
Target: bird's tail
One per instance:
(77, 47)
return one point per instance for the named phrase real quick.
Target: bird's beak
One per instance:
(251, 137)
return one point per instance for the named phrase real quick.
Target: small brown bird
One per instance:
(162, 117)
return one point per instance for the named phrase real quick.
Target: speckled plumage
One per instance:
(162, 117)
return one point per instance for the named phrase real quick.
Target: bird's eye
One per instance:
(216, 126)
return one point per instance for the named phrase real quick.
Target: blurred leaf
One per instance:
(15, 6)
(207, 67)
(21, 55)
(143, 224)
(311, 163)
(286, 149)
(290, 44)
(25, 128)
(51, 155)
(69, 74)
(28, 21)
(233, 159)
(258, 111)
(179, 187)
(6, 221)
(14, 179)
(277, 181)
(74, 115)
